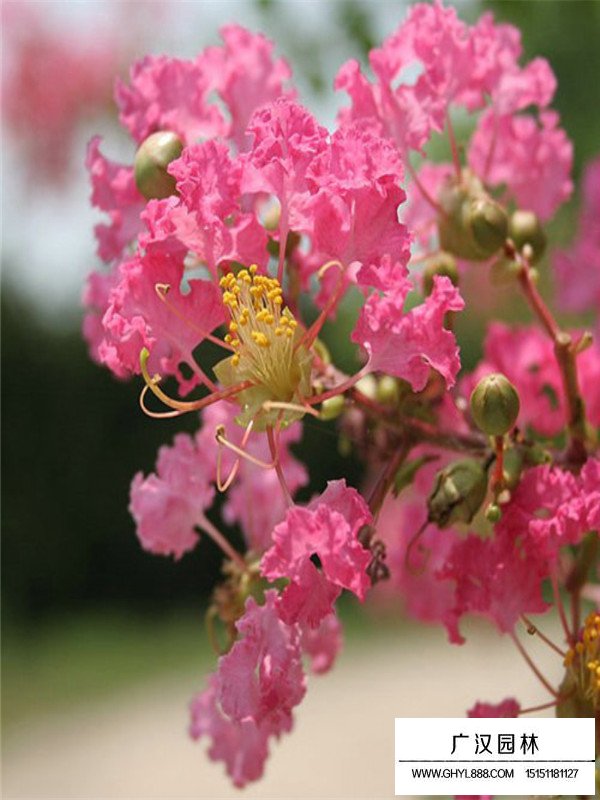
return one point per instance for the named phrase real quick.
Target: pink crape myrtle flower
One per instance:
(328, 528)
(453, 64)
(578, 268)
(322, 644)
(506, 708)
(179, 95)
(408, 344)
(251, 697)
(168, 505)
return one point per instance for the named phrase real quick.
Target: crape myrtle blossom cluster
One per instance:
(482, 491)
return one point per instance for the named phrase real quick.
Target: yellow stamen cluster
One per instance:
(583, 661)
(261, 330)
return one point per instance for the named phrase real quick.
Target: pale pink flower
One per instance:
(578, 268)
(409, 344)
(506, 708)
(419, 215)
(532, 159)
(329, 529)
(434, 61)
(168, 505)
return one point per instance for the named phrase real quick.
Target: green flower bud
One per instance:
(151, 161)
(493, 513)
(332, 407)
(524, 228)
(473, 226)
(488, 223)
(495, 404)
(458, 493)
(368, 386)
(441, 264)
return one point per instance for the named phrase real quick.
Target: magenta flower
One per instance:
(506, 708)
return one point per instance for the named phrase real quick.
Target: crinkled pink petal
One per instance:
(170, 94)
(407, 345)
(261, 677)
(167, 506)
(285, 140)
(136, 317)
(532, 159)
(248, 77)
(113, 191)
(496, 579)
(330, 534)
(242, 746)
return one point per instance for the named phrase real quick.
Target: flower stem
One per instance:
(533, 667)
(222, 542)
(566, 357)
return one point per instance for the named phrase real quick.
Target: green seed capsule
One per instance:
(151, 161)
(458, 493)
(443, 264)
(524, 228)
(488, 223)
(332, 407)
(495, 405)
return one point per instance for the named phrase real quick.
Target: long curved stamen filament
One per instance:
(180, 405)
(155, 414)
(453, 147)
(269, 405)
(426, 196)
(533, 630)
(311, 334)
(221, 439)
(162, 290)
(273, 438)
(545, 683)
(222, 486)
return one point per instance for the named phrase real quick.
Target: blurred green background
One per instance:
(84, 608)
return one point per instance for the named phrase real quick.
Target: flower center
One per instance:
(264, 336)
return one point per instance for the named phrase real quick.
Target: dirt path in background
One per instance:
(135, 746)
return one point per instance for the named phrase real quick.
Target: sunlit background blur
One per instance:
(102, 643)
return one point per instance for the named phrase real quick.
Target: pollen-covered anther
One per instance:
(262, 332)
(583, 661)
